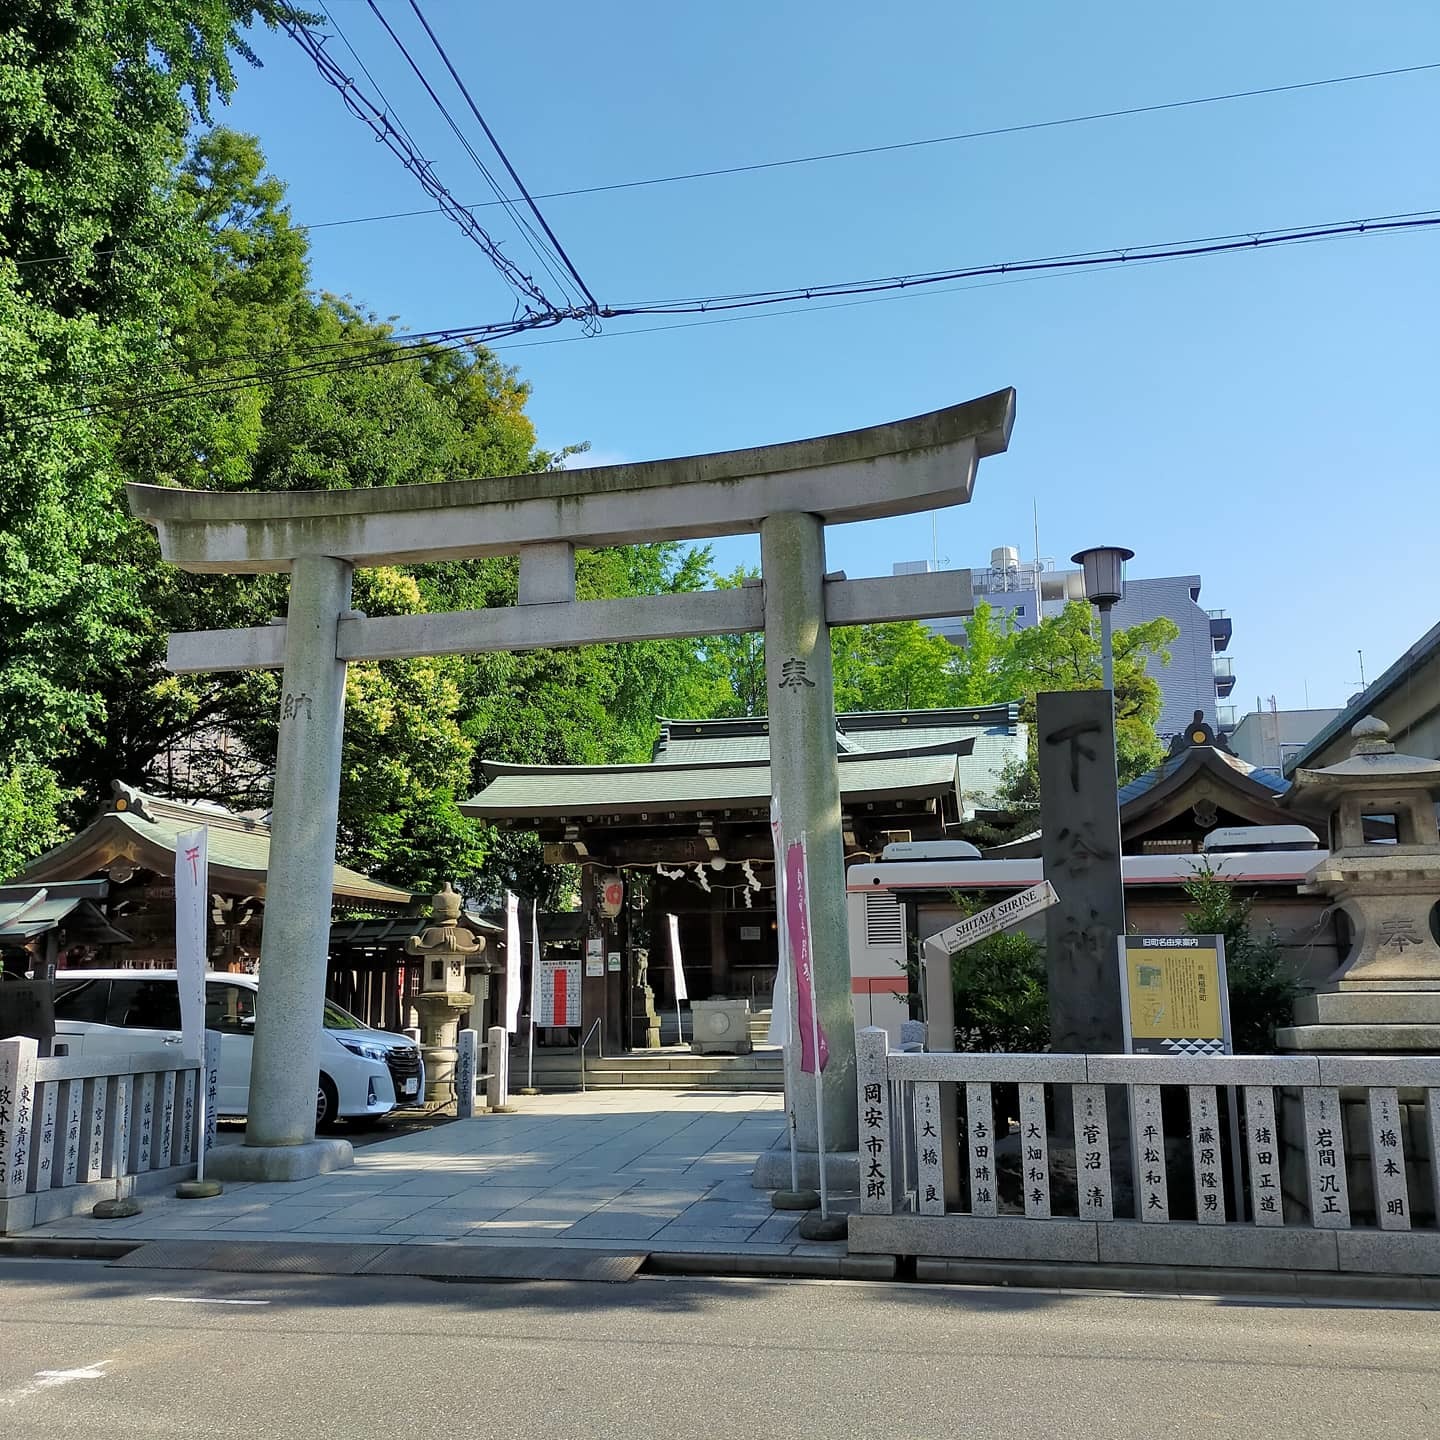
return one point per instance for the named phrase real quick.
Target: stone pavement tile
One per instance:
(308, 1236)
(649, 1203)
(337, 1223)
(446, 1227)
(439, 1183)
(535, 1210)
(196, 1218)
(739, 1189)
(520, 1229)
(618, 1225)
(781, 1228)
(489, 1197)
(724, 1212)
(701, 1235)
(383, 1207)
(275, 1218)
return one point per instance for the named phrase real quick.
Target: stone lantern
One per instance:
(1386, 993)
(444, 946)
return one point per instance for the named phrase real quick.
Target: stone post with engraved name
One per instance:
(1080, 818)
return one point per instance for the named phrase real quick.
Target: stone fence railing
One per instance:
(1293, 1162)
(77, 1129)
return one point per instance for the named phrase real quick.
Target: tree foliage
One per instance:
(170, 258)
(1262, 981)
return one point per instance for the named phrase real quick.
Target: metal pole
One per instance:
(1107, 655)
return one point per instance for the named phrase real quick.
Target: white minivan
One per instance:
(363, 1072)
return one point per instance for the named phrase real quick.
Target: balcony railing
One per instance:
(1223, 666)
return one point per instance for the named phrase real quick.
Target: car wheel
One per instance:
(327, 1104)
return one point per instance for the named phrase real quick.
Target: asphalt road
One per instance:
(90, 1351)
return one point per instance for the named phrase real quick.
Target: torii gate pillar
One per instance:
(805, 780)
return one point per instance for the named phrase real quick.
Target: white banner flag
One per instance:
(192, 883)
(534, 958)
(677, 965)
(512, 962)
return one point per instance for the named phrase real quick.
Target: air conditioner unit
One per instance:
(878, 980)
(930, 850)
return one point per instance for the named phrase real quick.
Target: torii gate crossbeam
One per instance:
(788, 493)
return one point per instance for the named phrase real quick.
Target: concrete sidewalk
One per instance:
(660, 1171)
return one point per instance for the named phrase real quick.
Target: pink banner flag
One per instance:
(797, 930)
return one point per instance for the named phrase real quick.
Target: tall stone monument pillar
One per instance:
(280, 1139)
(1080, 821)
(805, 777)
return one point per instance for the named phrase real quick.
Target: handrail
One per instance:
(585, 1040)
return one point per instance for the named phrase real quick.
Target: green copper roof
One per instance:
(145, 831)
(538, 791)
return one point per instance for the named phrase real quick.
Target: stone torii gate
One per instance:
(788, 493)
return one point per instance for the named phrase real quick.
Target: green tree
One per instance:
(736, 663)
(1262, 981)
(98, 100)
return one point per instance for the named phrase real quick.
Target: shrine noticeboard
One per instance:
(1176, 1001)
(558, 993)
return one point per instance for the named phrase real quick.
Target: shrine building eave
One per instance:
(528, 795)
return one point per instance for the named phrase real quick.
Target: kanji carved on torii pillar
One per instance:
(787, 493)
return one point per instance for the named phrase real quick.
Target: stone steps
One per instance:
(663, 1069)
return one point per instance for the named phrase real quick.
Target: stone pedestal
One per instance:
(720, 1027)
(644, 1020)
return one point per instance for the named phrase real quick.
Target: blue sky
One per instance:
(1268, 420)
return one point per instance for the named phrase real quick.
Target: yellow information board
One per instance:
(1175, 997)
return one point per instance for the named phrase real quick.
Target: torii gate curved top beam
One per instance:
(894, 469)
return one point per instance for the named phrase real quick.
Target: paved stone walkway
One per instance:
(659, 1170)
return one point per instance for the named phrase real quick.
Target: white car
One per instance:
(363, 1072)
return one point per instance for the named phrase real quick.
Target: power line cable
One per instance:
(838, 154)
(504, 158)
(933, 140)
(364, 109)
(528, 234)
(1214, 245)
(366, 72)
(465, 337)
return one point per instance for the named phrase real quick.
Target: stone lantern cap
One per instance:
(1374, 781)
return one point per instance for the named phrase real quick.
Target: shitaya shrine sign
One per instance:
(788, 493)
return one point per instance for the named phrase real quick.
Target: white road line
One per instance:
(49, 1379)
(201, 1300)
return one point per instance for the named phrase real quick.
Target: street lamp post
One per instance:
(1104, 585)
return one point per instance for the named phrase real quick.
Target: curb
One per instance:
(773, 1267)
(1190, 1281)
(58, 1248)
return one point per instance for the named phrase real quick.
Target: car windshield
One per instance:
(338, 1019)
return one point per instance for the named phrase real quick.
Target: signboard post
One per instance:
(1010, 911)
(1175, 1000)
(940, 998)
(1174, 997)
(192, 898)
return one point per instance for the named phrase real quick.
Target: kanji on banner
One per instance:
(814, 1050)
